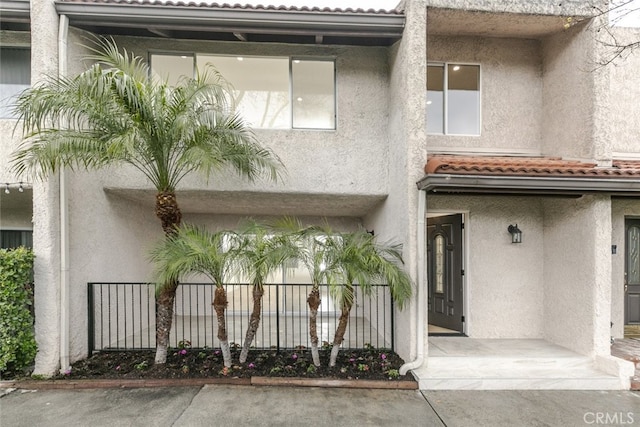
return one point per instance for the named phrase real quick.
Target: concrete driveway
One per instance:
(223, 405)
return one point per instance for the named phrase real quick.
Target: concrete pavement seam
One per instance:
(186, 406)
(433, 409)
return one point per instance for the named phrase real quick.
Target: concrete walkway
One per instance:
(222, 405)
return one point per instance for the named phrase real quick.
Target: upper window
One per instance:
(453, 99)
(15, 76)
(269, 92)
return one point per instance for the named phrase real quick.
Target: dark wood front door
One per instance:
(444, 270)
(632, 272)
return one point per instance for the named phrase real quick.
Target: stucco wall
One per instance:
(396, 219)
(577, 273)
(511, 92)
(46, 226)
(545, 7)
(625, 98)
(503, 281)
(572, 117)
(620, 209)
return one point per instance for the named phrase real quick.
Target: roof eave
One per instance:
(15, 10)
(446, 183)
(216, 19)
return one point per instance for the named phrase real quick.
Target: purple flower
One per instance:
(251, 366)
(118, 368)
(183, 352)
(352, 360)
(294, 356)
(383, 356)
(217, 352)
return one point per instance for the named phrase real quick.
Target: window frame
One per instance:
(445, 97)
(290, 59)
(9, 106)
(22, 237)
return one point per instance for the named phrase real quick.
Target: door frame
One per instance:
(625, 308)
(466, 232)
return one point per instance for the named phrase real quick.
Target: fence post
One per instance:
(393, 327)
(277, 318)
(91, 319)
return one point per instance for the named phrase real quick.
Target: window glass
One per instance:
(172, 68)
(463, 99)
(453, 99)
(15, 76)
(313, 93)
(260, 87)
(268, 92)
(435, 99)
(11, 239)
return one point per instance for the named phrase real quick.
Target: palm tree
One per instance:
(116, 113)
(359, 259)
(315, 252)
(263, 250)
(191, 250)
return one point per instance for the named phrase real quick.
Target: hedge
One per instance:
(17, 342)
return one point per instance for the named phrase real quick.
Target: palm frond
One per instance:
(193, 250)
(123, 115)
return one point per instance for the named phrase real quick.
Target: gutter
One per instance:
(449, 183)
(63, 30)
(15, 10)
(206, 18)
(419, 360)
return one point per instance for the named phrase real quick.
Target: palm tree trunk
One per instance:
(254, 321)
(340, 331)
(168, 212)
(314, 302)
(220, 306)
(164, 318)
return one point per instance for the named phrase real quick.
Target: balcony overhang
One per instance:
(452, 174)
(15, 15)
(474, 184)
(238, 23)
(256, 203)
(486, 23)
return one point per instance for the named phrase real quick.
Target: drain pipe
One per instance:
(420, 293)
(63, 30)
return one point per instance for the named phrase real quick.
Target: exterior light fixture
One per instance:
(516, 233)
(21, 188)
(6, 188)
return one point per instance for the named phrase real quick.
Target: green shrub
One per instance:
(17, 341)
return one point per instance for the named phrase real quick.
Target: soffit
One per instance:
(216, 21)
(528, 175)
(253, 203)
(457, 22)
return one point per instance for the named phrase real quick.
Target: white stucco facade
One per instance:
(540, 95)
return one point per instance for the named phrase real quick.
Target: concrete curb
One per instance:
(198, 382)
(329, 383)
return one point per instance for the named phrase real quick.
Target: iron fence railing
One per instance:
(122, 316)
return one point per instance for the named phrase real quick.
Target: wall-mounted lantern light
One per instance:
(516, 233)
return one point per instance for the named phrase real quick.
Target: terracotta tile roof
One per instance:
(529, 167)
(240, 6)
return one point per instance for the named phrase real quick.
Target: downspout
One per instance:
(63, 31)
(420, 294)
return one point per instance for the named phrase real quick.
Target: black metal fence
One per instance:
(122, 316)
